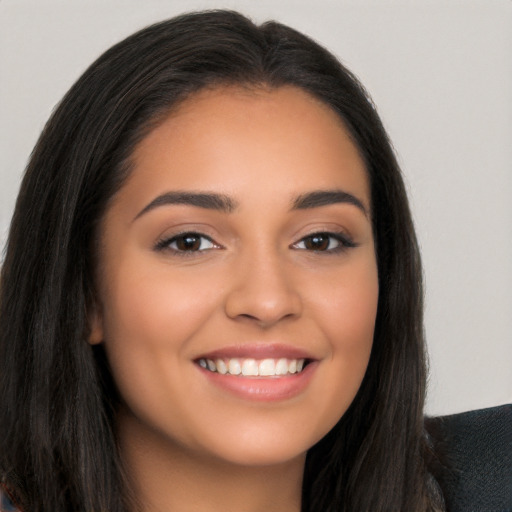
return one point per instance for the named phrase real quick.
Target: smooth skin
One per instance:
(177, 281)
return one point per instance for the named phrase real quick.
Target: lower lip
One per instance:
(263, 389)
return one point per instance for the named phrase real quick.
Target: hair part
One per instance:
(58, 448)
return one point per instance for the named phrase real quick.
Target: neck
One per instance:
(167, 477)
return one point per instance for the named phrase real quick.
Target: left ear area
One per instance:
(95, 327)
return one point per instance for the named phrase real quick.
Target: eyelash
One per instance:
(343, 241)
(165, 243)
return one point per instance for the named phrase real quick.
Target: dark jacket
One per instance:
(474, 459)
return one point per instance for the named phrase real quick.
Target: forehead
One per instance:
(226, 137)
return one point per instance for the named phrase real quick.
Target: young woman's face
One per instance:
(239, 250)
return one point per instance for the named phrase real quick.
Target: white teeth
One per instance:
(267, 367)
(252, 367)
(221, 366)
(282, 367)
(234, 367)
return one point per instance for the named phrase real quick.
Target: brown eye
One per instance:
(317, 242)
(187, 242)
(325, 242)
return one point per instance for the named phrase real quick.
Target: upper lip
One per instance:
(258, 351)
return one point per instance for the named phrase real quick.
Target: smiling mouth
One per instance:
(249, 367)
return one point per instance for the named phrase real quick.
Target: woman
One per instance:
(211, 296)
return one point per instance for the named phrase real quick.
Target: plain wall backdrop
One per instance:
(440, 73)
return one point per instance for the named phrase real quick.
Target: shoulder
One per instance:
(473, 452)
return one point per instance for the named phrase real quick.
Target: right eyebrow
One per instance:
(207, 200)
(318, 198)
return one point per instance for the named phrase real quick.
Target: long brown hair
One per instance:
(58, 448)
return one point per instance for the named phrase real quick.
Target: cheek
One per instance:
(347, 308)
(150, 318)
(346, 314)
(155, 306)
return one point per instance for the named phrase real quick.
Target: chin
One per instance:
(260, 455)
(263, 443)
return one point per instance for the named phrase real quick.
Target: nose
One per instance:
(263, 292)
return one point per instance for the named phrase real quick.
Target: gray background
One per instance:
(440, 73)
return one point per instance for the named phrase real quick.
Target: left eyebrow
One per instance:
(319, 198)
(205, 200)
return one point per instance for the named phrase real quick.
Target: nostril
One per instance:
(263, 303)
(248, 316)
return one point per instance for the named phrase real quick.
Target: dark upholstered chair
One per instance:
(474, 451)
